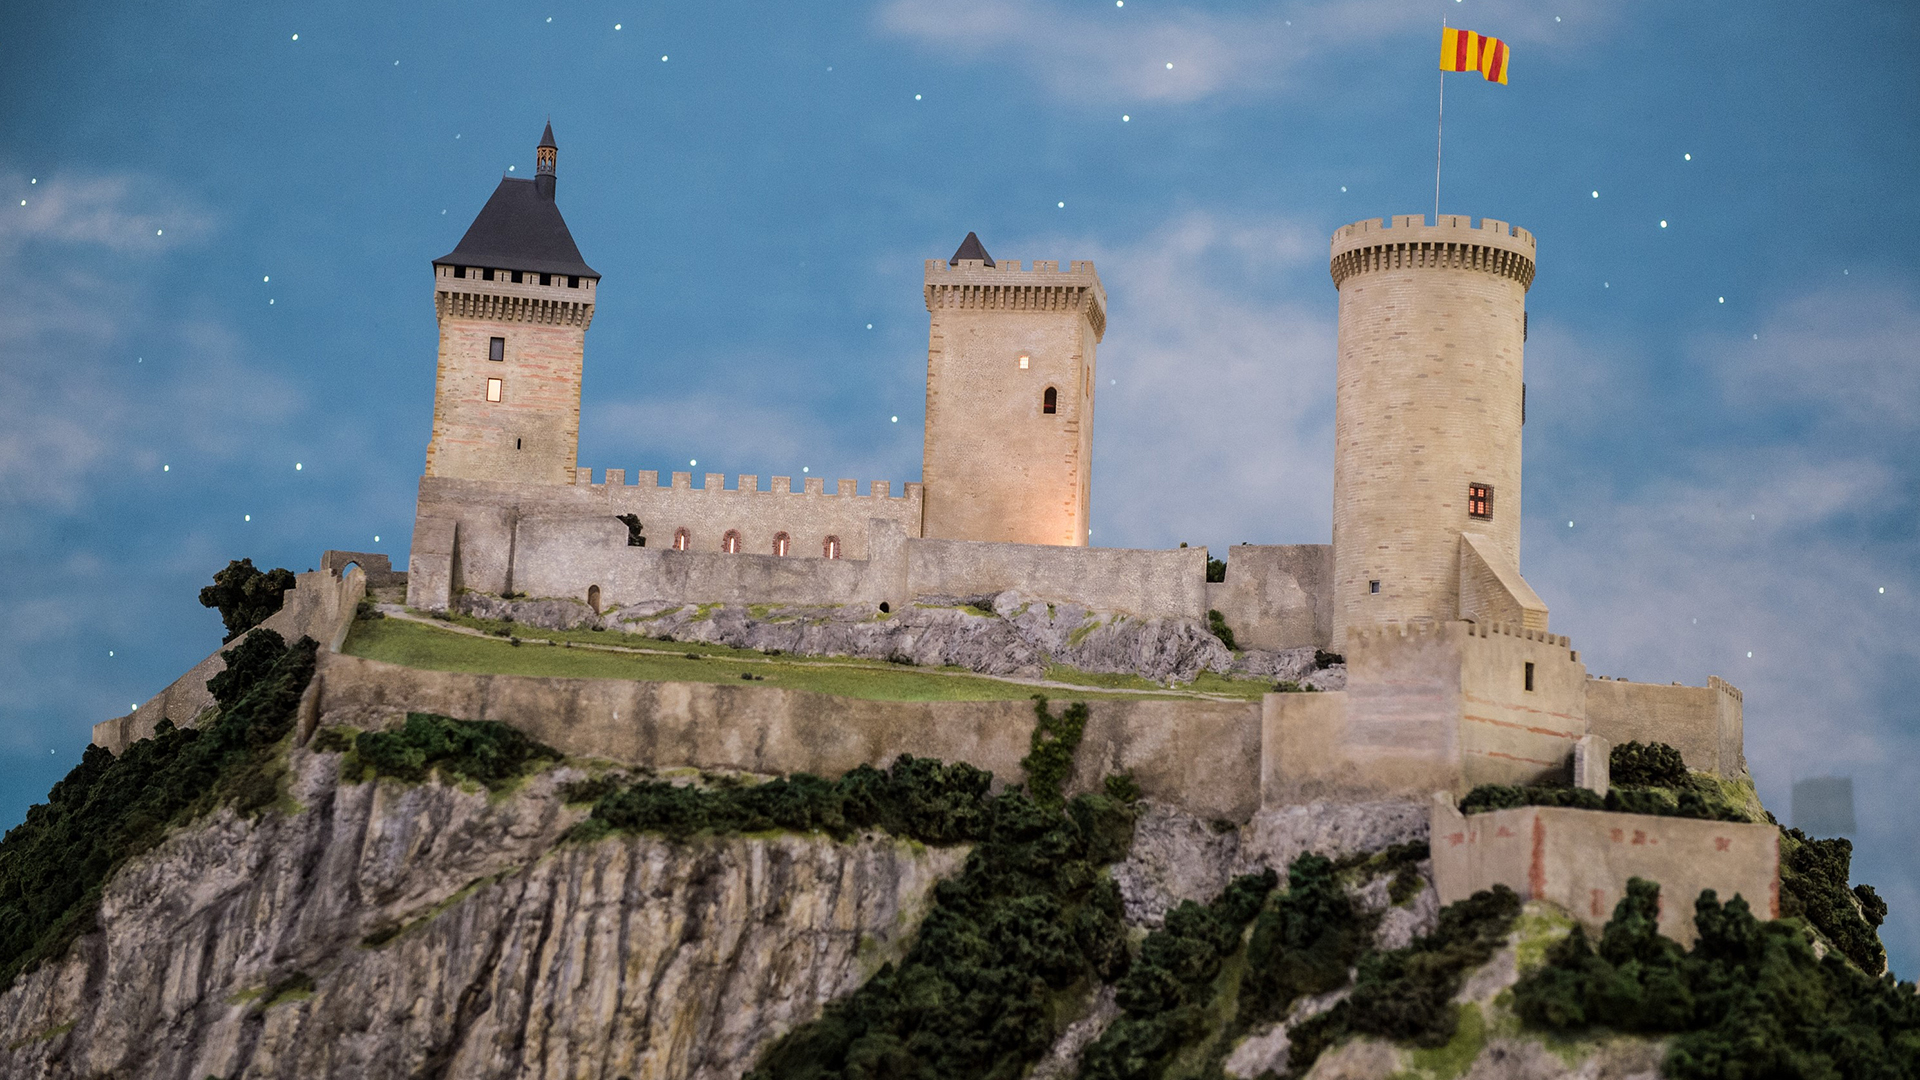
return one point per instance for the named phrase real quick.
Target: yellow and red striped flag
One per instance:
(1464, 50)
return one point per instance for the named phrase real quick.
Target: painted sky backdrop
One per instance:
(217, 335)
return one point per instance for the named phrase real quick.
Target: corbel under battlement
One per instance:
(1452, 243)
(557, 303)
(970, 284)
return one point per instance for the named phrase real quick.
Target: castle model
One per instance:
(1453, 676)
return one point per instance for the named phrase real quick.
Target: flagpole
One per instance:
(1439, 134)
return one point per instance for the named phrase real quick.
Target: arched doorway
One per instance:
(593, 598)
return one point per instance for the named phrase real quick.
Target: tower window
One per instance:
(546, 279)
(573, 281)
(1373, 586)
(780, 543)
(730, 543)
(516, 277)
(516, 444)
(1050, 401)
(493, 389)
(1025, 361)
(830, 549)
(681, 539)
(487, 274)
(497, 348)
(1529, 674)
(1480, 501)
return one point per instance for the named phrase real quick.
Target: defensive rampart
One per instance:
(1704, 723)
(320, 606)
(1277, 596)
(1582, 860)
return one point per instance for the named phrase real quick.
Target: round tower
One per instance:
(1428, 406)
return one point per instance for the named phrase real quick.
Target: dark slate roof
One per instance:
(970, 249)
(547, 138)
(518, 229)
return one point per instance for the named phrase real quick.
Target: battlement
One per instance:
(465, 292)
(1715, 682)
(972, 285)
(748, 484)
(1454, 242)
(1485, 629)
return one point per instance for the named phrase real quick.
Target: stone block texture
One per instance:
(531, 434)
(997, 465)
(1427, 402)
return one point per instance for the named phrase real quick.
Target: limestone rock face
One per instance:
(1005, 633)
(384, 930)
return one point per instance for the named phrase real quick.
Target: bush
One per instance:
(484, 751)
(54, 865)
(1049, 759)
(1217, 626)
(1750, 1000)
(1635, 764)
(1216, 569)
(1813, 886)
(1303, 944)
(1689, 802)
(246, 596)
(1164, 996)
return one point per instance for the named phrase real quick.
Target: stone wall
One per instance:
(1277, 596)
(1492, 590)
(1137, 582)
(1704, 723)
(320, 606)
(1582, 859)
(1199, 755)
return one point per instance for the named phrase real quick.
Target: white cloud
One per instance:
(1100, 53)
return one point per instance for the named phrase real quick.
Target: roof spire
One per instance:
(970, 248)
(547, 155)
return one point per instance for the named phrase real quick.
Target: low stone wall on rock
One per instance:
(1277, 596)
(1200, 755)
(320, 606)
(1704, 723)
(1582, 860)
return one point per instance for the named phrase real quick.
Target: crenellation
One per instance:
(749, 483)
(814, 485)
(782, 485)
(616, 478)
(683, 481)
(714, 481)
(846, 487)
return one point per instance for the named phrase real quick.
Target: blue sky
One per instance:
(216, 239)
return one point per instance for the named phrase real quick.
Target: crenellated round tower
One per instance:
(1429, 402)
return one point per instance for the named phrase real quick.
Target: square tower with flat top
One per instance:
(514, 300)
(1010, 391)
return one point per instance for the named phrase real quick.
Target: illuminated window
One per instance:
(780, 544)
(831, 549)
(1480, 501)
(681, 539)
(1025, 361)
(1050, 401)
(730, 543)
(493, 389)
(497, 348)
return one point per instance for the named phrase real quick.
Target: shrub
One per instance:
(1750, 1000)
(1813, 886)
(54, 865)
(484, 751)
(1303, 944)
(1217, 626)
(1689, 802)
(1635, 764)
(1216, 568)
(1049, 760)
(245, 596)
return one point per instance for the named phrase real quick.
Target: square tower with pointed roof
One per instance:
(514, 300)
(1010, 389)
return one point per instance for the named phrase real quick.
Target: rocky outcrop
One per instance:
(387, 930)
(1003, 634)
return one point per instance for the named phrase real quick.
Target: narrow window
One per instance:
(730, 543)
(1050, 401)
(1480, 501)
(593, 598)
(830, 549)
(1373, 586)
(493, 389)
(1025, 361)
(516, 444)
(681, 539)
(1529, 674)
(497, 348)
(1523, 404)
(780, 542)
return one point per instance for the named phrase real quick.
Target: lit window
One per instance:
(681, 539)
(1050, 401)
(730, 543)
(493, 389)
(1480, 501)
(497, 348)
(1025, 361)
(831, 549)
(780, 542)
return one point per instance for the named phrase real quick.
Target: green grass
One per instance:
(418, 645)
(1206, 683)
